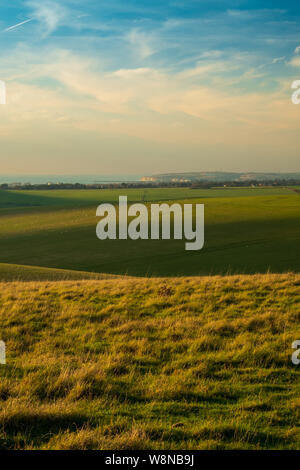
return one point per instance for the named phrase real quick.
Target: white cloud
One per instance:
(277, 59)
(252, 14)
(142, 43)
(295, 62)
(204, 70)
(141, 102)
(134, 73)
(49, 13)
(214, 54)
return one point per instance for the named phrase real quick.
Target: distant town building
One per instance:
(148, 178)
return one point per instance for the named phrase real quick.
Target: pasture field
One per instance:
(141, 344)
(182, 363)
(247, 230)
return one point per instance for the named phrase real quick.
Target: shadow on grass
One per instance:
(25, 428)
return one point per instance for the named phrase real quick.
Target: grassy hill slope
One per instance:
(17, 272)
(246, 231)
(193, 363)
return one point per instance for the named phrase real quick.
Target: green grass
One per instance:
(186, 363)
(96, 361)
(246, 231)
(16, 272)
(64, 198)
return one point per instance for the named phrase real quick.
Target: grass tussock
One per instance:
(184, 363)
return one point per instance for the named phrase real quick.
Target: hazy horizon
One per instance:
(170, 171)
(102, 178)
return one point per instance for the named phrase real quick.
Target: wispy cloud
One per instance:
(277, 59)
(130, 92)
(255, 14)
(49, 13)
(142, 43)
(204, 79)
(295, 62)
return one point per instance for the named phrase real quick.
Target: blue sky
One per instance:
(143, 87)
(173, 33)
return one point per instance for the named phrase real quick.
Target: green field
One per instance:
(186, 363)
(247, 230)
(97, 359)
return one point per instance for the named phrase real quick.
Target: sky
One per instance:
(140, 87)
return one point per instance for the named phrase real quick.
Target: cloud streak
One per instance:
(18, 24)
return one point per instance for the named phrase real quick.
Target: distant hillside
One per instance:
(220, 176)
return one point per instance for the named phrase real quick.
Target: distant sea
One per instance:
(83, 179)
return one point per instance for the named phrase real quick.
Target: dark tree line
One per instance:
(156, 184)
